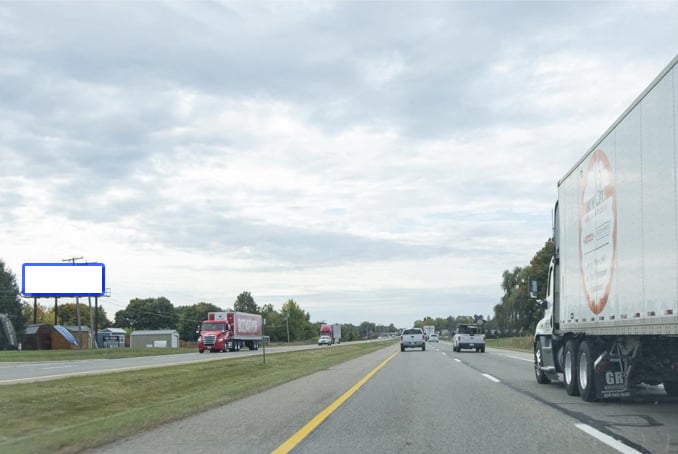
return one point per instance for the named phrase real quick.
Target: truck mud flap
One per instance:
(610, 374)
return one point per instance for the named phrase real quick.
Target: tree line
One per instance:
(516, 314)
(291, 323)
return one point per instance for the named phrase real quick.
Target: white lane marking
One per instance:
(57, 367)
(457, 360)
(619, 446)
(529, 360)
(444, 353)
(490, 377)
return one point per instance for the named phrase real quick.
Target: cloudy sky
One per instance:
(373, 161)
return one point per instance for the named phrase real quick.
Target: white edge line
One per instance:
(490, 377)
(618, 445)
(529, 360)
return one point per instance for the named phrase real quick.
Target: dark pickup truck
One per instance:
(412, 338)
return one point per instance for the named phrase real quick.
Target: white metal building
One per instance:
(162, 338)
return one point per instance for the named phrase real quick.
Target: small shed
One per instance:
(162, 338)
(111, 338)
(63, 339)
(38, 337)
(82, 334)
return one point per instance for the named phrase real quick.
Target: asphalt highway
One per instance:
(414, 401)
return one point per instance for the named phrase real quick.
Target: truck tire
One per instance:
(585, 379)
(482, 349)
(671, 388)
(570, 368)
(423, 347)
(539, 374)
(402, 349)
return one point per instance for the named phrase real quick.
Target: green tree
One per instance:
(540, 266)
(10, 300)
(190, 317)
(517, 314)
(367, 330)
(298, 320)
(349, 332)
(42, 314)
(274, 324)
(67, 315)
(149, 313)
(245, 303)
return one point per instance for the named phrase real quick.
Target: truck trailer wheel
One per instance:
(539, 374)
(585, 379)
(570, 368)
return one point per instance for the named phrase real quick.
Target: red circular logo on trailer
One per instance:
(597, 230)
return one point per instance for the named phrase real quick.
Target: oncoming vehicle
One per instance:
(467, 336)
(229, 331)
(433, 338)
(325, 340)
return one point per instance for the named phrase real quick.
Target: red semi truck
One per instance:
(229, 331)
(334, 331)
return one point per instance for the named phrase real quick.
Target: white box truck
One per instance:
(331, 330)
(611, 308)
(428, 330)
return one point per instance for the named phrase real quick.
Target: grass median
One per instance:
(73, 414)
(524, 344)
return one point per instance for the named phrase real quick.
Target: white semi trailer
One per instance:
(611, 309)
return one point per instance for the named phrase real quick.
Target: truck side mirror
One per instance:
(534, 287)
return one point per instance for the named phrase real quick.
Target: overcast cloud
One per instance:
(373, 161)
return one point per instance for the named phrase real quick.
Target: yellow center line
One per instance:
(302, 433)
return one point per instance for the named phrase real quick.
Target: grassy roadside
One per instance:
(74, 355)
(100, 353)
(523, 344)
(72, 414)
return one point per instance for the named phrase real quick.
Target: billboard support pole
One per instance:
(77, 316)
(96, 317)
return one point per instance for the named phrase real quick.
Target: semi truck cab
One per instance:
(213, 336)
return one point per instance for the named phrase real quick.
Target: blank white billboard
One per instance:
(63, 279)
